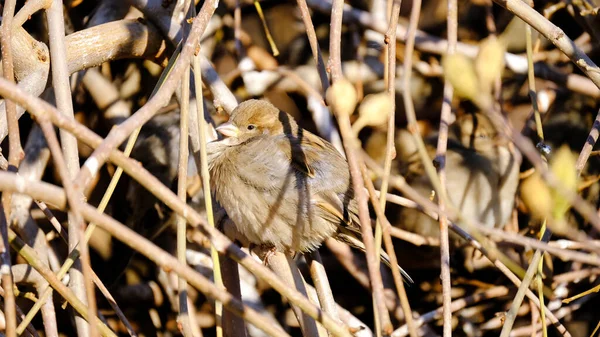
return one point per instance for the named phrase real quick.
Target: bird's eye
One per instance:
(251, 127)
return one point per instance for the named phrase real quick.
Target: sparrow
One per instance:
(482, 175)
(282, 186)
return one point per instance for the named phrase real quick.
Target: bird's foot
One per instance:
(269, 253)
(264, 252)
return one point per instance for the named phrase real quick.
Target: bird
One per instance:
(482, 176)
(283, 186)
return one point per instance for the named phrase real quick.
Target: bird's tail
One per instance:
(352, 241)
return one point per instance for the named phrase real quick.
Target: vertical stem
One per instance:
(15, 154)
(79, 282)
(540, 132)
(233, 325)
(531, 83)
(390, 49)
(14, 157)
(183, 318)
(350, 147)
(387, 238)
(390, 39)
(442, 146)
(10, 307)
(335, 40)
(365, 222)
(74, 204)
(202, 130)
(184, 112)
(314, 44)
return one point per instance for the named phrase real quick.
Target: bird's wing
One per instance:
(309, 153)
(327, 174)
(332, 208)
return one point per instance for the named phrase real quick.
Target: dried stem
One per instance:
(10, 306)
(531, 296)
(15, 154)
(204, 173)
(589, 145)
(182, 174)
(442, 145)
(79, 282)
(314, 45)
(14, 157)
(555, 35)
(511, 315)
(285, 268)
(33, 260)
(455, 306)
(350, 147)
(389, 246)
(321, 282)
(60, 163)
(390, 150)
(335, 41)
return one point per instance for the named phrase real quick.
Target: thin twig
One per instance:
(335, 41)
(555, 35)
(79, 282)
(589, 145)
(14, 157)
(390, 150)
(456, 305)
(354, 163)
(15, 154)
(389, 246)
(204, 174)
(33, 260)
(531, 296)
(442, 145)
(314, 45)
(10, 311)
(511, 315)
(182, 174)
(61, 167)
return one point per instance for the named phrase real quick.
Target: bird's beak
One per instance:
(228, 130)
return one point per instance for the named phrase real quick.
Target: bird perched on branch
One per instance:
(482, 175)
(282, 186)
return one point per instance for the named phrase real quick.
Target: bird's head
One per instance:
(477, 132)
(254, 118)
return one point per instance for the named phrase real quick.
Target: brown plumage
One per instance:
(281, 185)
(482, 175)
